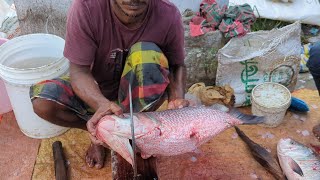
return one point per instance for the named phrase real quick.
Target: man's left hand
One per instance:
(178, 103)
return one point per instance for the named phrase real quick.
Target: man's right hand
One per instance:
(104, 109)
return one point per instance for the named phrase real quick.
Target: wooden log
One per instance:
(60, 167)
(121, 169)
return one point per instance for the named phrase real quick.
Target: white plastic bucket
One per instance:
(24, 61)
(272, 101)
(5, 105)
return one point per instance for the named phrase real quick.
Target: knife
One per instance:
(135, 171)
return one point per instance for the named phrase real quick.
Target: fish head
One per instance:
(286, 145)
(121, 126)
(116, 132)
(290, 147)
(297, 160)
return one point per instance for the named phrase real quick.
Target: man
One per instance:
(314, 64)
(314, 67)
(111, 43)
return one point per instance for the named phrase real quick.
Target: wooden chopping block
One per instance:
(121, 169)
(60, 167)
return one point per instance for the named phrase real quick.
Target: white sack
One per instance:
(259, 57)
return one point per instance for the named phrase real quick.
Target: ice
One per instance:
(296, 116)
(305, 133)
(193, 159)
(267, 135)
(234, 136)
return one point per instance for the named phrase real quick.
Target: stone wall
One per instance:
(201, 59)
(42, 16)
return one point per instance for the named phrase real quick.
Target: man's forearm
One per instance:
(177, 84)
(84, 86)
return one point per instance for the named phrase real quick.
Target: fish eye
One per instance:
(291, 142)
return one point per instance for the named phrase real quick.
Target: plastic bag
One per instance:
(9, 24)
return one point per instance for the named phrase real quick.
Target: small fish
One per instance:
(297, 161)
(169, 133)
(262, 156)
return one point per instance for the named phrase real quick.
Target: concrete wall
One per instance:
(187, 4)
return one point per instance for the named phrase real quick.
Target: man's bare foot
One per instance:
(95, 156)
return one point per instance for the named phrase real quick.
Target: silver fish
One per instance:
(297, 161)
(170, 132)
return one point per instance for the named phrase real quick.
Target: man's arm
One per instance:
(86, 88)
(175, 54)
(177, 87)
(177, 84)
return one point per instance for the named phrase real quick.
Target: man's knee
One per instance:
(314, 60)
(44, 108)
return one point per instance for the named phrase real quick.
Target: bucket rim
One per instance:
(287, 103)
(23, 37)
(33, 68)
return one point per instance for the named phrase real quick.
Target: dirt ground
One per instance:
(305, 81)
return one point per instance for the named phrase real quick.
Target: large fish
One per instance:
(168, 133)
(262, 156)
(297, 161)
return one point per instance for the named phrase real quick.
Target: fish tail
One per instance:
(261, 155)
(244, 137)
(246, 118)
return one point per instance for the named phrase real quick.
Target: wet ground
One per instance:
(305, 80)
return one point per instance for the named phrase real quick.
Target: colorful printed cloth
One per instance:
(146, 69)
(60, 91)
(237, 21)
(233, 21)
(305, 57)
(208, 19)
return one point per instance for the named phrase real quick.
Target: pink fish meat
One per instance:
(170, 132)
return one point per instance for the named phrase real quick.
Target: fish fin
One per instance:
(245, 138)
(117, 143)
(220, 107)
(246, 118)
(294, 166)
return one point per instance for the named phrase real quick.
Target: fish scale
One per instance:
(173, 140)
(170, 132)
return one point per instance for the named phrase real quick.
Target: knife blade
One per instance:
(135, 170)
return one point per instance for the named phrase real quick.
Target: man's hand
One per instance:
(178, 103)
(105, 109)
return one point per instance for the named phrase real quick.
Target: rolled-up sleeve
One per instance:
(174, 50)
